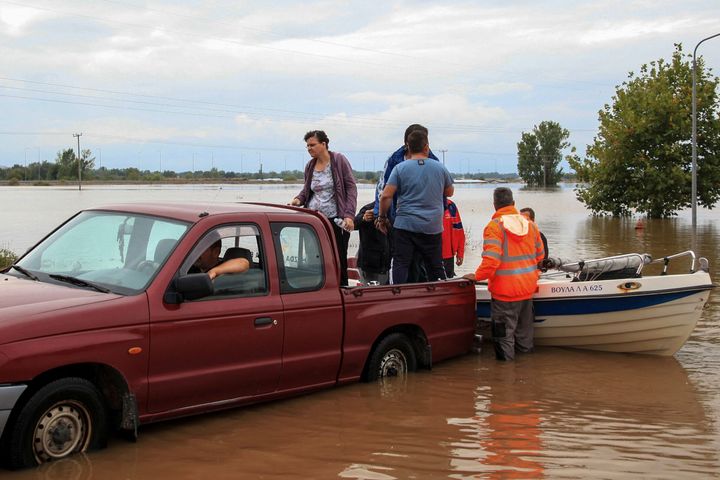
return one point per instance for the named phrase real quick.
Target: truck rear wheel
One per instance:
(64, 417)
(394, 356)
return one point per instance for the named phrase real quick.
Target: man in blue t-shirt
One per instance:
(420, 186)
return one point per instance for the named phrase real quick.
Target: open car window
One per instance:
(237, 241)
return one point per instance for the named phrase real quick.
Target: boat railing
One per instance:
(617, 266)
(702, 261)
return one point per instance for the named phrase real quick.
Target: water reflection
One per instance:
(571, 413)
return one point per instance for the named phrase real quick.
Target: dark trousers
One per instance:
(449, 264)
(512, 327)
(342, 238)
(406, 243)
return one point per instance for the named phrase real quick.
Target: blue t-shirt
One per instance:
(420, 187)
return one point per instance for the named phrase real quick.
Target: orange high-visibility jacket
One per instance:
(512, 248)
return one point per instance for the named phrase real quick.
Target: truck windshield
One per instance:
(113, 251)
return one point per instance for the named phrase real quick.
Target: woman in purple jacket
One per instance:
(330, 189)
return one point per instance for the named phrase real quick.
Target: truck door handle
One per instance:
(262, 321)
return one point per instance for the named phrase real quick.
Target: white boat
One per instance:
(608, 304)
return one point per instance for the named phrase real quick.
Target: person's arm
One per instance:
(449, 187)
(539, 245)
(492, 252)
(359, 216)
(382, 222)
(301, 197)
(234, 265)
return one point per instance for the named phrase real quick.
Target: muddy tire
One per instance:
(62, 418)
(394, 356)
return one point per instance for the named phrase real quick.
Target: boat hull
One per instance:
(651, 315)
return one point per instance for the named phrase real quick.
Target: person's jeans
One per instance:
(429, 246)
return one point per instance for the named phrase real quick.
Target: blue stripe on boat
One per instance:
(589, 305)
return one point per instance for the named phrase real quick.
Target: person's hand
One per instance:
(458, 261)
(212, 274)
(349, 223)
(469, 276)
(382, 224)
(295, 202)
(368, 216)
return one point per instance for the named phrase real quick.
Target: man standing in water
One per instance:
(512, 248)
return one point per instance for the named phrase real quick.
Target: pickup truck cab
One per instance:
(103, 325)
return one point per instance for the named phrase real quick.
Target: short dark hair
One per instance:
(529, 211)
(417, 141)
(319, 134)
(502, 197)
(412, 128)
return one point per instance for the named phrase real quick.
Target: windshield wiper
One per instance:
(79, 282)
(25, 272)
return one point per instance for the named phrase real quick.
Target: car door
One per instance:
(224, 347)
(313, 310)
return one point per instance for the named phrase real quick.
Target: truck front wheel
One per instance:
(394, 356)
(64, 417)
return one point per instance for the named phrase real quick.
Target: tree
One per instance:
(640, 160)
(68, 165)
(540, 154)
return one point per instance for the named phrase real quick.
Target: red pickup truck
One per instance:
(104, 325)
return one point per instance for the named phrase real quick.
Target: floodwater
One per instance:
(557, 413)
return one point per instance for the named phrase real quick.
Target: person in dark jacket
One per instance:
(373, 257)
(529, 213)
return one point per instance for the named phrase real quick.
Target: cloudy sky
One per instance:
(230, 84)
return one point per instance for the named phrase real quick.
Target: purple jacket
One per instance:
(345, 188)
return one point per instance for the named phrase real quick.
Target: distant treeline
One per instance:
(52, 172)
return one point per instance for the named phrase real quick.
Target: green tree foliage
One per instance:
(641, 158)
(7, 258)
(68, 165)
(540, 154)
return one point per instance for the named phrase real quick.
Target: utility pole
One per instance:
(693, 185)
(25, 175)
(78, 135)
(443, 154)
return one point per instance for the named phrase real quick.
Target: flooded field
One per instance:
(553, 414)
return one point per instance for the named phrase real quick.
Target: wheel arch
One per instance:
(417, 338)
(108, 380)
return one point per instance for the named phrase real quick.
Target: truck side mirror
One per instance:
(190, 287)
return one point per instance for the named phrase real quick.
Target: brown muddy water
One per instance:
(556, 413)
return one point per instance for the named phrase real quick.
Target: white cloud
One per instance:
(475, 74)
(14, 19)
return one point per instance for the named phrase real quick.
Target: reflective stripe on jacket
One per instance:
(512, 248)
